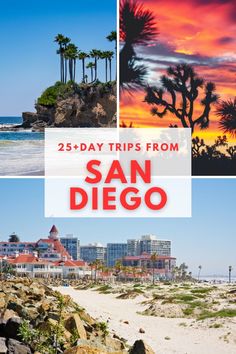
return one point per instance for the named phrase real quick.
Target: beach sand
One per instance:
(164, 335)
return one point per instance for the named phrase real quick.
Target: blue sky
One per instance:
(208, 238)
(28, 58)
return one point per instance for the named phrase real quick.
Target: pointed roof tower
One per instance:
(53, 233)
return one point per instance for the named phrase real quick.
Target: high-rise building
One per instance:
(92, 252)
(148, 244)
(71, 244)
(133, 247)
(164, 248)
(115, 252)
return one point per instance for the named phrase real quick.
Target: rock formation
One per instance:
(90, 106)
(36, 319)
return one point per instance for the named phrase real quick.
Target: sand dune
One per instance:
(164, 335)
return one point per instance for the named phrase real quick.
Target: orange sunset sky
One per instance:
(199, 32)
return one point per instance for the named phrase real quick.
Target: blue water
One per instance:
(18, 135)
(10, 120)
(21, 135)
(21, 152)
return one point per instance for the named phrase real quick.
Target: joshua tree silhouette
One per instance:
(227, 111)
(182, 85)
(137, 27)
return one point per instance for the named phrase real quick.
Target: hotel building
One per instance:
(115, 252)
(72, 245)
(93, 252)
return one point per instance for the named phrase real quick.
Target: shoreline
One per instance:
(164, 335)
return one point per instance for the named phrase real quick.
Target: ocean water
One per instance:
(5, 121)
(21, 152)
(217, 278)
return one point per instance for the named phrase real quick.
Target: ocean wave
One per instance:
(21, 157)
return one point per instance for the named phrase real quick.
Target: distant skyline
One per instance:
(28, 61)
(207, 239)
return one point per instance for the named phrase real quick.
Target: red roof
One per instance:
(57, 246)
(70, 263)
(61, 249)
(27, 258)
(45, 240)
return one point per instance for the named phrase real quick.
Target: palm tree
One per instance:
(118, 266)
(71, 54)
(227, 111)
(96, 265)
(137, 27)
(109, 57)
(82, 56)
(104, 55)
(91, 66)
(59, 39)
(154, 258)
(230, 271)
(183, 270)
(63, 42)
(199, 272)
(96, 54)
(112, 37)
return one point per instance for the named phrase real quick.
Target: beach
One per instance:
(21, 150)
(21, 157)
(164, 335)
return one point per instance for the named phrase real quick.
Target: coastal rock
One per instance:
(8, 314)
(74, 323)
(93, 106)
(3, 347)
(88, 349)
(2, 302)
(2, 327)
(12, 327)
(45, 306)
(140, 347)
(28, 119)
(84, 349)
(36, 307)
(114, 344)
(16, 347)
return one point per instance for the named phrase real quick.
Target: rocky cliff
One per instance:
(36, 319)
(85, 105)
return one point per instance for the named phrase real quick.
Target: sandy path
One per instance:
(164, 335)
